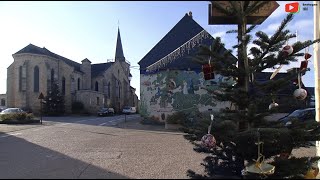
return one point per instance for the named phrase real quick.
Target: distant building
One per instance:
(169, 80)
(95, 85)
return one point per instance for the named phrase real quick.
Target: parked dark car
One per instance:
(302, 115)
(106, 111)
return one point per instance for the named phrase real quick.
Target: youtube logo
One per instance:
(292, 7)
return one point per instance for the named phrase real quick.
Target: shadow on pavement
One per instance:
(22, 159)
(135, 124)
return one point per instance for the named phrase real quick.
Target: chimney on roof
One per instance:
(190, 14)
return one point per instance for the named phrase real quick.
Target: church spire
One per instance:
(119, 51)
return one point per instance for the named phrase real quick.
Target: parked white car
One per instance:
(12, 111)
(129, 110)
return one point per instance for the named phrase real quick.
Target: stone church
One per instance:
(95, 85)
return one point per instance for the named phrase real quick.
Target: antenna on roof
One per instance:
(118, 23)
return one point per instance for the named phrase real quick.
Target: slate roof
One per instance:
(43, 51)
(182, 32)
(97, 69)
(119, 50)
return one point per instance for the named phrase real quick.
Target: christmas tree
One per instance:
(242, 142)
(54, 101)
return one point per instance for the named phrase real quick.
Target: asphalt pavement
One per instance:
(95, 148)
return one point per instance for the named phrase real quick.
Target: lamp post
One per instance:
(41, 97)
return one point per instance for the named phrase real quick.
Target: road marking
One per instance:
(87, 120)
(11, 134)
(63, 124)
(103, 123)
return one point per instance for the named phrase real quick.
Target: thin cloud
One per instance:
(218, 34)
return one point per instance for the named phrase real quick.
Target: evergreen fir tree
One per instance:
(54, 101)
(236, 130)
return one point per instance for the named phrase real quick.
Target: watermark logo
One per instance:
(292, 7)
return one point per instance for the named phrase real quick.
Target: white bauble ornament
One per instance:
(300, 94)
(273, 105)
(208, 141)
(287, 50)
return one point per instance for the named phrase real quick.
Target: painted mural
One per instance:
(171, 91)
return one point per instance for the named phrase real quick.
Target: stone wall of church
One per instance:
(75, 83)
(26, 97)
(86, 68)
(10, 86)
(92, 100)
(112, 75)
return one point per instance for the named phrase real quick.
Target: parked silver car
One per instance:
(12, 111)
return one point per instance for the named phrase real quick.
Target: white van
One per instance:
(129, 110)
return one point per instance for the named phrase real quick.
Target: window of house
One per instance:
(63, 85)
(96, 86)
(36, 79)
(98, 101)
(78, 83)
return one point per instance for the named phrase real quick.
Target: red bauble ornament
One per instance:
(307, 56)
(208, 141)
(208, 71)
(303, 65)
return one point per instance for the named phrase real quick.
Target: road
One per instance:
(94, 147)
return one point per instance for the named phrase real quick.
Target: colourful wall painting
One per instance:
(171, 91)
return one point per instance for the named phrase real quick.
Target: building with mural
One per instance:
(170, 81)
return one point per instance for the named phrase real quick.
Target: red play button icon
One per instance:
(292, 7)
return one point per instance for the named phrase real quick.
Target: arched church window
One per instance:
(36, 79)
(3, 102)
(119, 89)
(20, 78)
(109, 94)
(78, 83)
(96, 87)
(63, 85)
(52, 75)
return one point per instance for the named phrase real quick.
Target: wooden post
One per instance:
(40, 111)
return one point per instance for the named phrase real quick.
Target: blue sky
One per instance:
(79, 30)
